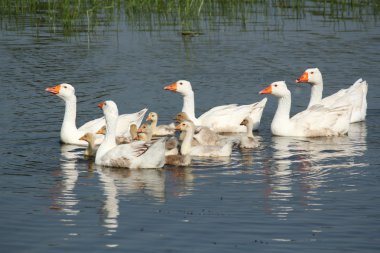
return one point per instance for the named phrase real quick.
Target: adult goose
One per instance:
(356, 94)
(225, 118)
(318, 120)
(133, 155)
(70, 134)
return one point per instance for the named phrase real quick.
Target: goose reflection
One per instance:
(118, 182)
(300, 166)
(66, 200)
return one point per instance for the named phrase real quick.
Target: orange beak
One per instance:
(101, 131)
(100, 105)
(83, 138)
(149, 118)
(304, 78)
(267, 90)
(171, 87)
(54, 90)
(178, 127)
(139, 130)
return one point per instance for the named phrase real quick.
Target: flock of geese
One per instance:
(123, 141)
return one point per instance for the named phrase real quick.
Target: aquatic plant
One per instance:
(191, 17)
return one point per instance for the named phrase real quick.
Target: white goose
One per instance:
(200, 150)
(134, 155)
(225, 118)
(161, 129)
(356, 94)
(316, 121)
(70, 134)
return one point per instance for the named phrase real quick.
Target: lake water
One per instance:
(289, 195)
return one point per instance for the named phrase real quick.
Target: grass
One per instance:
(190, 17)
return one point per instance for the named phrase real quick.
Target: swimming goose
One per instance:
(122, 139)
(145, 134)
(91, 148)
(133, 155)
(70, 134)
(248, 140)
(200, 150)
(225, 118)
(356, 94)
(318, 120)
(161, 129)
(203, 135)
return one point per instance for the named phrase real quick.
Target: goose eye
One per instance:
(275, 85)
(180, 83)
(65, 87)
(311, 72)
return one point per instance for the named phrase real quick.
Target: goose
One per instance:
(248, 141)
(161, 129)
(172, 156)
(91, 148)
(225, 118)
(356, 94)
(122, 139)
(70, 134)
(145, 134)
(203, 135)
(318, 120)
(133, 155)
(200, 150)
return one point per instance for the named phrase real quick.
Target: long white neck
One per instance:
(68, 124)
(188, 105)
(316, 92)
(109, 139)
(186, 143)
(281, 118)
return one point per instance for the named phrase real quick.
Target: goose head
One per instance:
(181, 86)
(246, 121)
(63, 90)
(102, 130)
(278, 89)
(181, 116)
(109, 108)
(144, 128)
(312, 76)
(185, 126)
(89, 137)
(152, 116)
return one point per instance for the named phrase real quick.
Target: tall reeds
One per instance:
(75, 16)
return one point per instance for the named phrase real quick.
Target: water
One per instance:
(291, 194)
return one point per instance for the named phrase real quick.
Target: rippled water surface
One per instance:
(289, 195)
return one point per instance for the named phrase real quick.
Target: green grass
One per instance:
(70, 17)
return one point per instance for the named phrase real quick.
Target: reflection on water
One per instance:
(300, 167)
(116, 182)
(67, 201)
